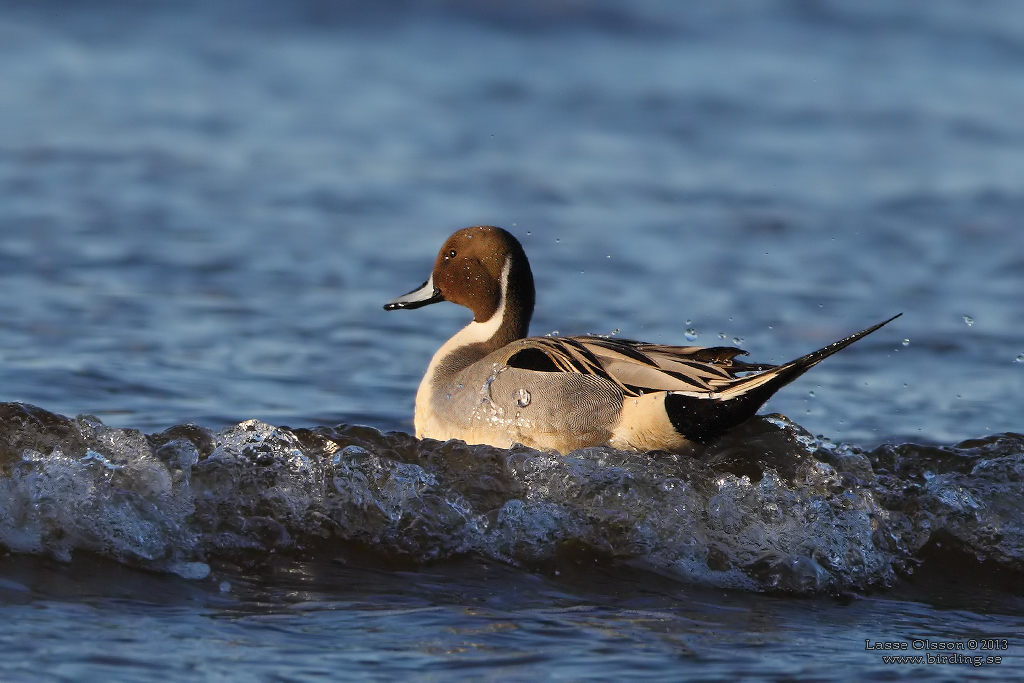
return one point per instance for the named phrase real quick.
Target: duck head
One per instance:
(485, 269)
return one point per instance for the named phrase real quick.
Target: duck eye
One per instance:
(451, 254)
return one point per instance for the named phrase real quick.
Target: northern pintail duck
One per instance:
(491, 384)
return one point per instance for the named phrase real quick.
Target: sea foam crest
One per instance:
(767, 507)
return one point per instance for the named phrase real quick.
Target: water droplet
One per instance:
(969, 320)
(906, 342)
(721, 335)
(528, 232)
(614, 332)
(688, 322)
(522, 397)
(557, 240)
(609, 255)
(811, 394)
(691, 334)
(1019, 359)
(96, 457)
(225, 587)
(737, 341)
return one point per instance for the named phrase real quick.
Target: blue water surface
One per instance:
(204, 206)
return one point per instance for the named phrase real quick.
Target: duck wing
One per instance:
(697, 372)
(636, 367)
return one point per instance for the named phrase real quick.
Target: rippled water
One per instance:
(206, 205)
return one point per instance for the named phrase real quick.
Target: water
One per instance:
(206, 205)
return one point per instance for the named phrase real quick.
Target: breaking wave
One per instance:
(768, 507)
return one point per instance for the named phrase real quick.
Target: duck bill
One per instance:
(421, 296)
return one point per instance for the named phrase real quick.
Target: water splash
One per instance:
(766, 507)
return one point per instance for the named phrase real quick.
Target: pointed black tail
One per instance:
(701, 418)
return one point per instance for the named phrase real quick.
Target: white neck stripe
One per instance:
(475, 332)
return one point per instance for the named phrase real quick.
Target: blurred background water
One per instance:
(204, 206)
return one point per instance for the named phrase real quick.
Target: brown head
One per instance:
(485, 269)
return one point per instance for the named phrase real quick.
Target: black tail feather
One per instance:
(701, 418)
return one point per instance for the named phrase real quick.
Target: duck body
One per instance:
(492, 384)
(494, 403)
